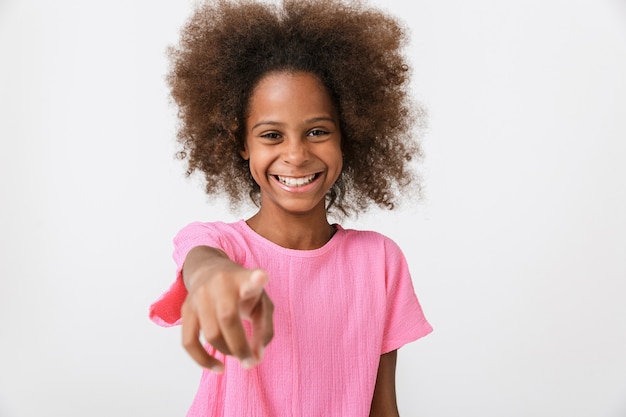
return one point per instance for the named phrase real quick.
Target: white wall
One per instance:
(518, 253)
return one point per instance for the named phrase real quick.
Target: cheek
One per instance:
(338, 156)
(339, 166)
(258, 164)
(257, 176)
(335, 162)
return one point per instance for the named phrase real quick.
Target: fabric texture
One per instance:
(337, 309)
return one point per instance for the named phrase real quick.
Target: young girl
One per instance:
(303, 107)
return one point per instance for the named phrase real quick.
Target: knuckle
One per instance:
(228, 315)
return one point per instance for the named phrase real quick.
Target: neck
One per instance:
(293, 232)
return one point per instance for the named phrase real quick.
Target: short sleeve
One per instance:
(404, 319)
(165, 311)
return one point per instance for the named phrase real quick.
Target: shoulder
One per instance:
(216, 228)
(226, 236)
(366, 240)
(366, 236)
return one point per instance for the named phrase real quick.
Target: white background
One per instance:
(518, 250)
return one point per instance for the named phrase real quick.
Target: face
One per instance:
(293, 142)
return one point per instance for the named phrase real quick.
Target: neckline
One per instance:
(305, 253)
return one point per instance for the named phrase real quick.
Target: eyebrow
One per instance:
(308, 121)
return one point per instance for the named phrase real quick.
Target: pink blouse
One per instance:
(337, 309)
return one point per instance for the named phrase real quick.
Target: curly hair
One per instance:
(227, 47)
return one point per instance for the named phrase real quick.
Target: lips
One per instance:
(296, 181)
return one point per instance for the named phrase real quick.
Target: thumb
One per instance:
(253, 286)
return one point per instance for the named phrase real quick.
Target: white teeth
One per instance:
(296, 182)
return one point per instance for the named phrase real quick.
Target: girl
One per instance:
(303, 107)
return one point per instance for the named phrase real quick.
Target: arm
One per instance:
(220, 294)
(384, 400)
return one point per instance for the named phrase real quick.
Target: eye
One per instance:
(317, 132)
(271, 135)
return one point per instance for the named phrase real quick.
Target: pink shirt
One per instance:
(337, 309)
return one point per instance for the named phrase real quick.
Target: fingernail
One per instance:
(247, 363)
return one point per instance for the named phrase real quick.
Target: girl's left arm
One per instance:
(384, 401)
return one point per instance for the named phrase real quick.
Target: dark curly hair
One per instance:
(226, 47)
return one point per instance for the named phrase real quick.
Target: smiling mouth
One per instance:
(296, 182)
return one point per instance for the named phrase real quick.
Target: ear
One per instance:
(244, 153)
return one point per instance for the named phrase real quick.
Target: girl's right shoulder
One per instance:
(203, 228)
(216, 234)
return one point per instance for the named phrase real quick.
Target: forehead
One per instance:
(291, 90)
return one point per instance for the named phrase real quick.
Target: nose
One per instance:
(295, 151)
